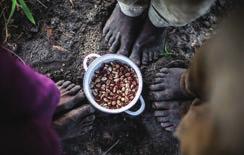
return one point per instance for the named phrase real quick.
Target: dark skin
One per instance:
(128, 36)
(170, 113)
(120, 31)
(72, 118)
(149, 44)
(170, 101)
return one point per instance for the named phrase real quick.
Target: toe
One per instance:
(115, 45)
(172, 105)
(136, 55)
(67, 88)
(164, 70)
(65, 84)
(111, 41)
(70, 87)
(145, 58)
(88, 120)
(106, 29)
(157, 95)
(161, 105)
(75, 115)
(108, 36)
(74, 90)
(123, 52)
(160, 75)
(69, 101)
(161, 113)
(87, 110)
(59, 83)
(166, 124)
(157, 87)
(170, 128)
(125, 47)
(162, 119)
(157, 80)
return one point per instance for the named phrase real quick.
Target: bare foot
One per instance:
(170, 101)
(170, 113)
(149, 45)
(166, 85)
(121, 31)
(72, 118)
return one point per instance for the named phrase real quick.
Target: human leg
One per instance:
(124, 24)
(164, 13)
(215, 125)
(173, 90)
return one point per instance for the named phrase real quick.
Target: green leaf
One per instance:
(13, 7)
(27, 11)
(167, 53)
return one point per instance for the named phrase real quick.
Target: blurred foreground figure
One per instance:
(28, 103)
(214, 123)
(136, 28)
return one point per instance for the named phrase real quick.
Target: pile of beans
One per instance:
(114, 85)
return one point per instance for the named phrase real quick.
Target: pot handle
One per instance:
(140, 110)
(85, 65)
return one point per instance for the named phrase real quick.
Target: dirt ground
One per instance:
(66, 33)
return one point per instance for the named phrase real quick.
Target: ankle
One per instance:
(149, 25)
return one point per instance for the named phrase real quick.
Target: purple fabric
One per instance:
(28, 101)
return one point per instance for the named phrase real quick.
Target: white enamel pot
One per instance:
(96, 64)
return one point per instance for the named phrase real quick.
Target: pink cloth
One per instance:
(28, 101)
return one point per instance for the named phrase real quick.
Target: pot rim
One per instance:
(90, 72)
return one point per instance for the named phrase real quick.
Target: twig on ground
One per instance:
(59, 48)
(72, 3)
(5, 27)
(42, 4)
(109, 149)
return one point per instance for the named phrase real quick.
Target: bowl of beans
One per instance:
(113, 84)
